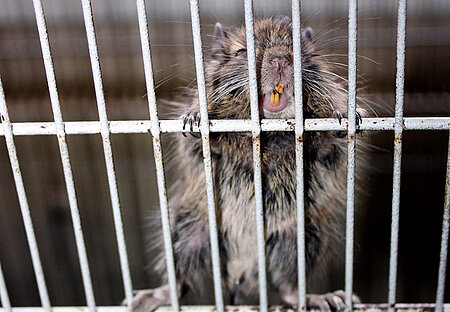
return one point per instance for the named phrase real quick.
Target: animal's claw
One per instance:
(337, 114)
(358, 118)
(329, 302)
(358, 122)
(191, 119)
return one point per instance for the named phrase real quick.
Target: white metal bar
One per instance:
(25, 209)
(256, 133)
(351, 140)
(444, 240)
(70, 309)
(299, 130)
(105, 132)
(415, 307)
(4, 298)
(398, 130)
(157, 152)
(204, 129)
(399, 307)
(64, 151)
(235, 125)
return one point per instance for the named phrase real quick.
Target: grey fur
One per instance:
(324, 163)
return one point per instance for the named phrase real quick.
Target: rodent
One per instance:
(324, 171)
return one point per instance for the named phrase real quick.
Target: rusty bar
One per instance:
(256, 133)
(157, 152)
(64, 151)
(222, 125)
(398, 130)
(204, 129)
(299, 129)
(105, 133)
(349, 240)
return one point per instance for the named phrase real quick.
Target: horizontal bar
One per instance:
(357, 307)
(236, 125)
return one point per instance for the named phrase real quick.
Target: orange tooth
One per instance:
(277, 99)
(271, 98)
(279, 87)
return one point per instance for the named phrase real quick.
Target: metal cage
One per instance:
(106, 128)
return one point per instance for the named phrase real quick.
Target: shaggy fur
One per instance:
(324, 170)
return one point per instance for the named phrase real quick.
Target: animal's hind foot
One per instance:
(334, 301)
(147, 300)
(191, 119)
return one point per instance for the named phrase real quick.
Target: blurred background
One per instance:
(23, 77)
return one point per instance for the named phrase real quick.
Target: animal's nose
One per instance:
(278, 62)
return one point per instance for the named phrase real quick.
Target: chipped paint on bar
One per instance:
(64, 151)
(105, 132)
(236, 125)
(204, 128)
(155, 130)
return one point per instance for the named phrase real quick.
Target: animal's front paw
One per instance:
(191, 119)
(148, 300)
(329, 302)
(337, 114)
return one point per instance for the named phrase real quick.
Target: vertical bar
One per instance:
(64, 151)
(105, 133)
(157, 151)
(25, 209)
(4, 298)
(256, 133)
(351, 140)
(444, 240)
(398, 130)
(204, 129)
(299, 128)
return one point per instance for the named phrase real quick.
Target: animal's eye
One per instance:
(240, 51)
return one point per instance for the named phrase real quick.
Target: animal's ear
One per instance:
(308, 34)
(218, 44)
